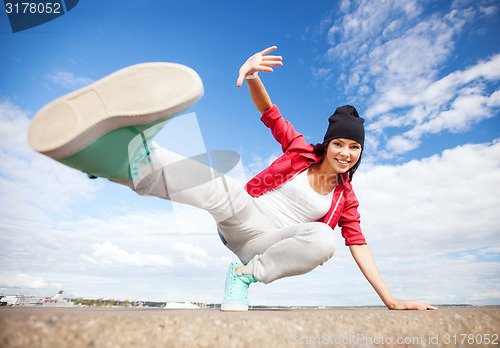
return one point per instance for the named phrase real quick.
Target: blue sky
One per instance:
(424, 74)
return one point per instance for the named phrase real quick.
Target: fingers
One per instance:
(271, 63)
(413, 305)
(424, 306)
(272, 58)
(268, 61)
(266, 66)
(240, 80)
(267, 50)
(259, 62)
(244, 71)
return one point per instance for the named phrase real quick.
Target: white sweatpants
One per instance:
(269, 251)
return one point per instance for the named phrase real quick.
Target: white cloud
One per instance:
(32, 183)
(258, 164)
(441, 204)
(490, 251)
(470, 107)
(110, 254)
(489, 10)
(67, 79)
(322, 73)
(451, 104)
(14, 125)
(194, 255)
(189, 249)
(390, 57)
(22, 281)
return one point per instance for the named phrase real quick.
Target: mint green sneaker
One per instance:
(236, 290)
(105, 129)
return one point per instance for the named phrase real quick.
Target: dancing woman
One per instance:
(280, 224)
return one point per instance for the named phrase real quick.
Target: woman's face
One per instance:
(342, 154)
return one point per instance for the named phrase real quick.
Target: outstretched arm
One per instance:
(366, 263)
(259, 62)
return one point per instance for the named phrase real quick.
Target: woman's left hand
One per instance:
(260, 61)
(402, 305)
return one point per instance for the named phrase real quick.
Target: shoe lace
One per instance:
(238, 286)
(139, 154)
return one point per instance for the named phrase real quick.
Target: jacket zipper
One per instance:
(336, 206)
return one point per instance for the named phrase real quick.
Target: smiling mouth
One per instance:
(341, 162)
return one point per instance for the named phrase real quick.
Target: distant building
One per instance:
(181, 305)
(9, 300)
(32, 301)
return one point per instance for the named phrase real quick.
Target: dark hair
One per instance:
(320, 150)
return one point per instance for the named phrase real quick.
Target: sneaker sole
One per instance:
(137, 95)
(234, 307)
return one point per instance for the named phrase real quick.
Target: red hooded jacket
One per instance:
(297, 156)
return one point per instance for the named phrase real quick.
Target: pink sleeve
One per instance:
(282, 130)
(349, 221)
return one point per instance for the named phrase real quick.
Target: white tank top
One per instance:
(296, 201)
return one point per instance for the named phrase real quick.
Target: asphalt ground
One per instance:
(359, 327)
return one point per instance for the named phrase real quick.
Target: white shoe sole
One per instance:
(136, 95)
(234, 308)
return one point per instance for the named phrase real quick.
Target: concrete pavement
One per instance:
(370, 327)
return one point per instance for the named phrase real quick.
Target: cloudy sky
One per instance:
(425, 75)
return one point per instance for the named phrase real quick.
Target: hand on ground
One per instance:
(402, 305)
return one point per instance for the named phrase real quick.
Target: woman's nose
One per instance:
(344, 151)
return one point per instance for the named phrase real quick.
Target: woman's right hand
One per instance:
(259, 62)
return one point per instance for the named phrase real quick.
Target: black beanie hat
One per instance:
(346, 123)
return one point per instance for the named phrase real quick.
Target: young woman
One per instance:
(280, 224)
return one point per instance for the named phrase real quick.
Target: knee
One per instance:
(323, 240)
(146, 184)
